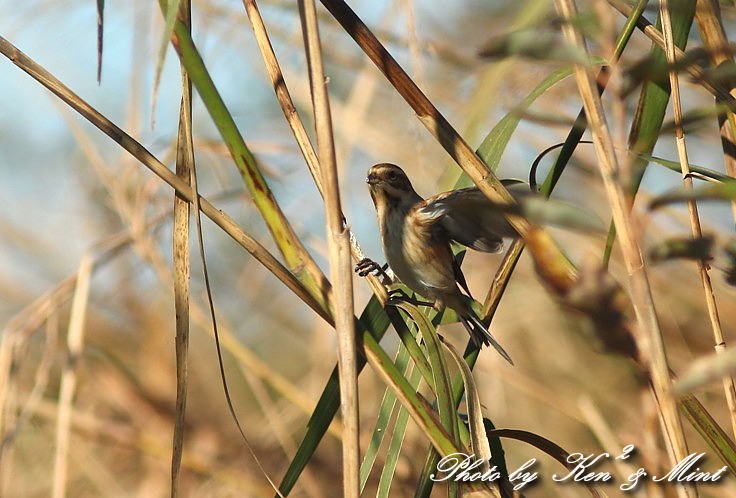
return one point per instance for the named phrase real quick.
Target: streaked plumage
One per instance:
(416, 235)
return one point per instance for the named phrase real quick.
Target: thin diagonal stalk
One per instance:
(295, 255)
(295, 123)
(654, 97)
(560, 274)
(708, 17)
(339, 246)
(648, 336)
(714, 87)
(368, 344)
(147, 159)
(692, 207)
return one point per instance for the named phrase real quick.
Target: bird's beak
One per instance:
(372, 179)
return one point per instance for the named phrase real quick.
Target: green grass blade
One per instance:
(291, 248)
(576, 133)
(725, 191)
(394, 446)
(653, 101)
(374, 320)
(712, 433)
(423, 414)
(707, 173)
(384, 416)
(408, 336)
(440, 372)
(478, 441)
(494, 144)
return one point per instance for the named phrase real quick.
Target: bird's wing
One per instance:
(469, 218)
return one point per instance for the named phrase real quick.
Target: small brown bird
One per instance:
(416, 235)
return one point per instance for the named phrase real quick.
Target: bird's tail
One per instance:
(479, 333)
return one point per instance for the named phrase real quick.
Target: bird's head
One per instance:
(389, 184)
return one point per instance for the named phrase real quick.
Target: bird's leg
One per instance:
(396, 296)
(367, 266)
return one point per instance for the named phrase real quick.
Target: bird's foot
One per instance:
(367, 266)
(396, 296)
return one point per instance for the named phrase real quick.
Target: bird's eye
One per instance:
(392, 175)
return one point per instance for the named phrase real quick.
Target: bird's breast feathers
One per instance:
(421, 262)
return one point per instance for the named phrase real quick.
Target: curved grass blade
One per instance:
(478, 442)
(440, 372)
(725, 191)
(423, 414)
(576, 133)
(545, 445)
(695, 171)
(376, 319)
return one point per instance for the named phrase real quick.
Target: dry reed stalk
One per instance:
(181, 270)
(648, 335)
(295, 123)
(339, 243)
(552, 265)
(708, 17)
(655, 35)
(147, 159)
(692, 207)
(75, 341)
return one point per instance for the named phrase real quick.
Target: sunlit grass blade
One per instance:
(440, 372)
(295, 255)
(478, 442)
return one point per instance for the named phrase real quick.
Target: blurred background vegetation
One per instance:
(68, 191)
